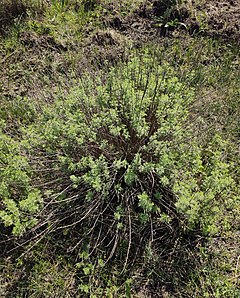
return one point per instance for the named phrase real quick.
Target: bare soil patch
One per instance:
(218, 19)
(222, 18)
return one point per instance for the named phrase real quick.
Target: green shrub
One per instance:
(115, 141)
(122, 167)
(116, 162)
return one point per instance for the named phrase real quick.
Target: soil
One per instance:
(222, 18)
(218, 19)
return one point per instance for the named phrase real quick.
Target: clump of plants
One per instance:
(117, 143)
(115, 170)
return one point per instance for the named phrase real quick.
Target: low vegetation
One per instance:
(119, 152)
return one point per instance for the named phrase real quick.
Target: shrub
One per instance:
(116, 142)
(118, 166)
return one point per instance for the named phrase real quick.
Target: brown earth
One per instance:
(222, 18)
(218, 19)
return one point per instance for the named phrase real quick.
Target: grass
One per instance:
(43, 54)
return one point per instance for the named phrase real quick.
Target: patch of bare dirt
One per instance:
(32, 40)
(222, 18)
(218, 19)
